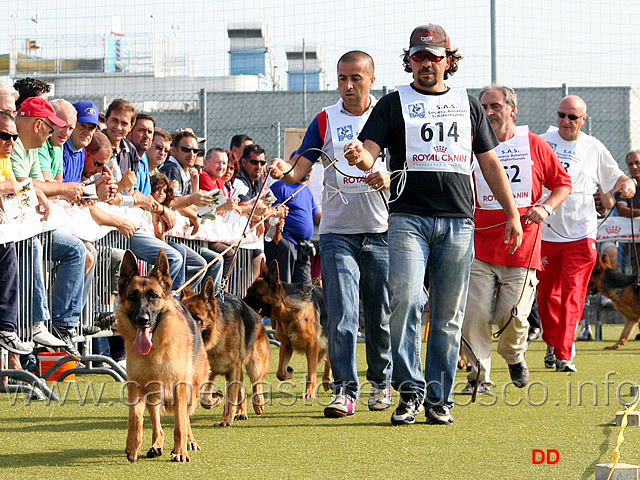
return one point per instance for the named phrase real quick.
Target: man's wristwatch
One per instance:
(548, 208)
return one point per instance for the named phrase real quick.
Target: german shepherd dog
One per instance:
(622, 291)
(166, 358)
(300, 316)
(234, 337)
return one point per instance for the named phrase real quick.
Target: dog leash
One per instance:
(236, 244)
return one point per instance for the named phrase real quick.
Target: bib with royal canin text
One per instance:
(345, 128)
(437, 130)
(515, 156)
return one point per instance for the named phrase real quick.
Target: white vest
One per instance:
(343, 129)
(437, 130)
(515, 156)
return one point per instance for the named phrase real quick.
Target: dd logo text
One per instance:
(550, 458)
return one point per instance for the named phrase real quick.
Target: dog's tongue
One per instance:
(142, 343)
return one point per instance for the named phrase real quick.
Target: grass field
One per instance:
(491, 439)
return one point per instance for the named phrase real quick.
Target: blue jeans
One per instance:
(352, 264)
(66, 303)
(443, 247)
(146, 247)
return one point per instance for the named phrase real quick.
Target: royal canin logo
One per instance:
(612, 229)
(440, 148)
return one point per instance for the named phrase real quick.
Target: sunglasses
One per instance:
(196, 151)
(98, 164)
(160, 148)
(423, 55)
(571, 116)
(9, 113)
(198, 167)
(5, 137)
(50, 127)
(257, 162)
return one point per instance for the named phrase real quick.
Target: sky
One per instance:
(539, 44)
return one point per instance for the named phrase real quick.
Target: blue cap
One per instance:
(87, 112)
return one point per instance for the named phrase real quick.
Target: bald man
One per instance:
(569, 234)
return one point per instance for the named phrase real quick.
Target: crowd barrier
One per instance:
(98, 291)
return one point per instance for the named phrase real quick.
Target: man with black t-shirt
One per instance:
(431, 132)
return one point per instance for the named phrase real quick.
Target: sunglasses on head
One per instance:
(196, 151)
(161, 148)
(423, 55)
(571, 116)
(253, 161)
(5, 137)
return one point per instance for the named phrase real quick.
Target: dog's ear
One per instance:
(273, 275)
(186, 293)
(128, 270)
(606, 261)
(208, 293)
(161, 270)
(263, 268)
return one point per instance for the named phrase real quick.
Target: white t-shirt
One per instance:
(589, 164)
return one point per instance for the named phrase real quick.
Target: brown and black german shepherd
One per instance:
(299, 313)
(234, 337)
(622, 291)
(166, 359)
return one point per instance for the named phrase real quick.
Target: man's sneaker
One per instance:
(44, 337)
(406, 411)
(66, 335)
(90, 330)
(439, 415)
(565, 366)
(519, 374)
(11, 342)
(379, 398)
(585, 334)
(482, 388)
(549, 358)
(341, 406)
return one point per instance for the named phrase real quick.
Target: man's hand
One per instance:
(43, 205)
(128, 180)
(278, 167)
(147, 203)
(168, 218)
(513, 230)
(106, 187)
(353, 152)
(73, 191)
(626, 188)
(379, 180)
(125, 227)
(9, 187)
(200, 199)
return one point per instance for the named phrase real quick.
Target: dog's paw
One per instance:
(615, 346)
(132, 457)
(180, 457)
(193, 445)
(241, 416)
(154, 452)
(223, 423)
(259, 409)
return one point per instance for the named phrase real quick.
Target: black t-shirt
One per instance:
(432, 194)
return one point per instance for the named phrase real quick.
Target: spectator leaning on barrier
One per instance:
(431, 215)
(73, 149)
(568, 236)
(215, 164)
(34, 121)
(119, 119)
(51, 153)
(159, 150)
(141, 136)
(501, 286)
(238, 142)
(31, 87)
(624, 208)
(9, 280)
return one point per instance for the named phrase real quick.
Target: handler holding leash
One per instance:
(502, 287)
(431, 131)
(353, 239)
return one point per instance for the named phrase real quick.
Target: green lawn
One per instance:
(292, 439)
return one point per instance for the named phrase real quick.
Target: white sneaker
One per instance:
(44, 337)
(11, 342)
(379, 398)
